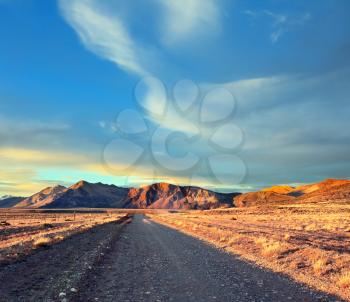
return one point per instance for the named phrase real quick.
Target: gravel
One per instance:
(150, 262)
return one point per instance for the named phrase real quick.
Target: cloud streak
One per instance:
(280, 23)
(103, 34)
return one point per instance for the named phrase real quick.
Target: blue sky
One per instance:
(93, 90)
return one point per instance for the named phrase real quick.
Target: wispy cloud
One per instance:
(280, 23)
(290, 128)
(184, 19)
(40, 157)
(25, 132)
(104, 34)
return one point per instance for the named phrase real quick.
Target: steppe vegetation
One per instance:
(22, 231)
(308, 242)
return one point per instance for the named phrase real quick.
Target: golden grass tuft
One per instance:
(344, 280)
(320, 266)
(286, 236)
(59, 238)
(270, 248)
(42, 241)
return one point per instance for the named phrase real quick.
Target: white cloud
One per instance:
(184, 19)
(152, 95)
(104, 34)
(280, 23)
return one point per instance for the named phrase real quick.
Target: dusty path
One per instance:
(151, 262)
(57, 269)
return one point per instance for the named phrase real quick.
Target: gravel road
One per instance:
(151, 262)
(53, 273)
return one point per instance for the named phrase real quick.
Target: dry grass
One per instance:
(344, 280)
(270, 248)
(27, 230)
(42, 241)
(320, 266)
(310, 243)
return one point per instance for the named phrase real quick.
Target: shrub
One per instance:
(344, 280)
(320, 266)
(269, 248)
(42, 241)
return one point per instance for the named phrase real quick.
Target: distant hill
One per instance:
(8, 201)
(261, 198)
(279, 189)
(157, 196)
(327, 190)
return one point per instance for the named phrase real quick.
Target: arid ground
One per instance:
(279, 253)
(308, 242)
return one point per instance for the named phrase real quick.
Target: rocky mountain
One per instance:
(156, 196)
(42, 198)
(9, 201)
(168, 196)
(85, 194)
(81, 194)
(327, 190)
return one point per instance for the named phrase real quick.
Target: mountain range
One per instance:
(98, 195)
(169, 196)
(327, 190)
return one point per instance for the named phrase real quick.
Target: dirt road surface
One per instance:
(57, 269)
(151, 262)
(143, 261)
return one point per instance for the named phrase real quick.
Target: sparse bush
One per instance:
(59, 237)
(223, 238)
(42, 241)
(260, 240)
(286, 236)
(310, 227)
(320, 266)
(272, 249)
(269, 248)
(344, 280)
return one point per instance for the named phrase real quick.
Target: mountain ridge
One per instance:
(99, 195)
(326, 190)
(169, 196)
